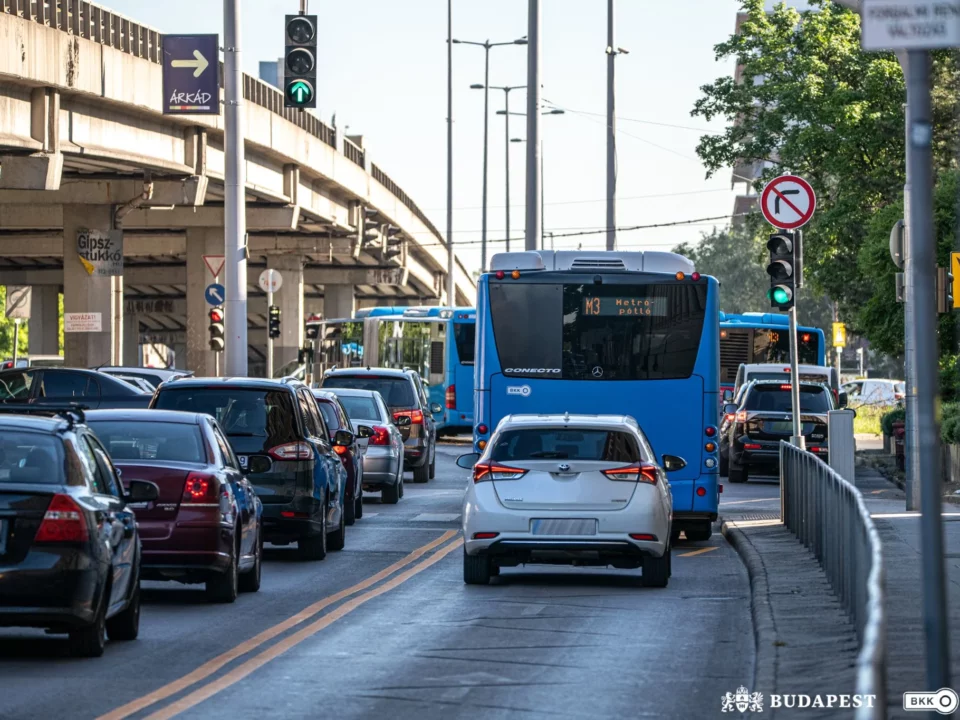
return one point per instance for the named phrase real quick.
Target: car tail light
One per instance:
(729, 416)
(291, 451)
(489, 471)
(341, 450)
(644, 536)
(381, 436)
(200, 488)
(741, 416)
(416, 416)
(290, 514)
(63, 522)
(751, 446)
(786, 387)
(484, 535)
(818, 449)
(450, 397)
(634, 473)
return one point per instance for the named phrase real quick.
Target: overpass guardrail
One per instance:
(92, 22)
(828, 515)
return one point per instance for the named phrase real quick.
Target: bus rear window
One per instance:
(612, 331)
(465, 334)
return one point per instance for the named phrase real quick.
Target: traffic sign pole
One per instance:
(797, 438)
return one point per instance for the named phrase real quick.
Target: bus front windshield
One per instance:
(578, 331)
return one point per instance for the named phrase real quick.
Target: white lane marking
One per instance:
(436, 517)
(889, 516)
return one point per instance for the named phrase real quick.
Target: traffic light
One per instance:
(300, 62)
(312, 331)
(782, 270)
(393, 243)
(273, 321)
(216, 328)
(944, 290)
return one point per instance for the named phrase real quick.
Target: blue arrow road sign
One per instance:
(215, 294)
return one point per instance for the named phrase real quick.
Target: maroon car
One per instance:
(335, 416)
(205, 525)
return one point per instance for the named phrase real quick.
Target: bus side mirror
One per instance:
(727, 395)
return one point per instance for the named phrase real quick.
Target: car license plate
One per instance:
(563, 526)
(780, 427)
(3, 537)
(244, 461)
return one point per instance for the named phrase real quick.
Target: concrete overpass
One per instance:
(84, 145)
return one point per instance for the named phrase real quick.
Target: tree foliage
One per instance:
(812, 103)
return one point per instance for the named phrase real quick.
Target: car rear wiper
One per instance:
(550, 455)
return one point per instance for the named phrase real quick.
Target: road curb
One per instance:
(764, 627)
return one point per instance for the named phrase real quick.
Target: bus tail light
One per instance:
(500, 275)
(482, 429)
(450, 398)
(416, 416)
(634, 473)
(489, 471)
(710, 431)
(695, 276)
(701, 491)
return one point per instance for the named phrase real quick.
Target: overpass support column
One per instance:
(338, 301)
(132, 356)
(99, 297)
(200, 241)
(44, 335)
(290, 300)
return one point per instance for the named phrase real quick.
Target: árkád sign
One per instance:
(82, 322)
(909, 24)
(101, 253)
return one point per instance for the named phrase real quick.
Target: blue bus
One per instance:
(764, 338)
(635, 333)
(438, 342)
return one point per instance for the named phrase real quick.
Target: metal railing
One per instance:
(828, 515)
(86, 20)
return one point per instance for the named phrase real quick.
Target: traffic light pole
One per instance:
(797, 438)
(269, 336)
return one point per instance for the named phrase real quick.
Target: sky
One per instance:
(382, 70)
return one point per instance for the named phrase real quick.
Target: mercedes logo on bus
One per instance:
(597, 371)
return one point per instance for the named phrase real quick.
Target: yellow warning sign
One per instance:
(955, 269)
(839, 335)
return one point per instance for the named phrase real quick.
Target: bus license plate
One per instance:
(563, 526)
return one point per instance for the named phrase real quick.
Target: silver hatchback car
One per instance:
(568, 489)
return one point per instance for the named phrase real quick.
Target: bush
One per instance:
(886, 422)
(950, 424)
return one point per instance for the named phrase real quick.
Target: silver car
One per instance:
(383, 455)
(568, 489)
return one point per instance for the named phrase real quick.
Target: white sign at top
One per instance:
(909, 24)
(787, 202)
(270, 280)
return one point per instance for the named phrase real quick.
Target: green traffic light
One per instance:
(300, 92)
(781, 295)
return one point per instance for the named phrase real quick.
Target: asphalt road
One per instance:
(387, 629)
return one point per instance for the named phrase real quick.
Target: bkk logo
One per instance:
(519, 390)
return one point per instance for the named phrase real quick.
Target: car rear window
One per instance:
(776, 398)
(786, 376)
(150, 440)
(254, 419)
(27, 457)
(396, 392)
(566, 444)
(360, 408)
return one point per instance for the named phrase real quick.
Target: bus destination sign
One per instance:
(625, 306)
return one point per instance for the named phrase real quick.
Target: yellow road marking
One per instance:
(211, 666)
(258, 661)
(701, 551)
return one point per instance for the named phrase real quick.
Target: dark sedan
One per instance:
(335, 417)
(205, 525)
(59, 387)
(69, 550)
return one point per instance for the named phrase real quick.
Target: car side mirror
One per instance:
(468, 461)
(141, 491)
(436, 408)
(730, 409)
(727, 395)
(364, 431)
(343, 437)
(403, 421)
(672, 463)
(842, 399)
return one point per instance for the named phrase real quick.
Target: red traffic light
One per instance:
(216, 315)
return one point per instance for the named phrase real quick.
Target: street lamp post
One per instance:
(486, 45)
(506, 102)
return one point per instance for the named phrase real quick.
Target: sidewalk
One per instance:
(900, 535)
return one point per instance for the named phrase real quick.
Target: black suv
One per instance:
(404, 393)
(69, 548)
(753, 428)
(278, 434)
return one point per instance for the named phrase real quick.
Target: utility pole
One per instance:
(451, 282)
(235, 220)
(486, 135)
(533, 226)
(921, 282)
(611, 133)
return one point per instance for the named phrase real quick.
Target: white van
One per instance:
(777, 371)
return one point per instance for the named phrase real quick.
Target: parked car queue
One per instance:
(187, 490)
